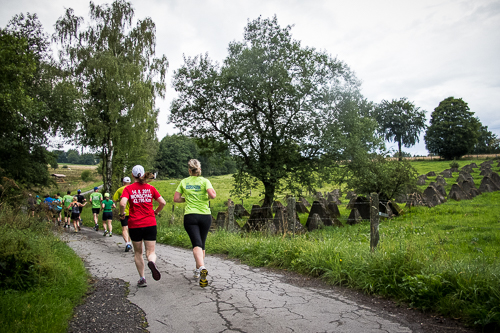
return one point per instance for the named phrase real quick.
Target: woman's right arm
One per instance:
(178, 198)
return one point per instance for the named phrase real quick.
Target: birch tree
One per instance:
(114, 60)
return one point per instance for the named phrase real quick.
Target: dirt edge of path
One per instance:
(106, 308)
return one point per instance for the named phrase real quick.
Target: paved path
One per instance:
(238, 298)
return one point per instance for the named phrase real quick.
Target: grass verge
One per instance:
(42, 278)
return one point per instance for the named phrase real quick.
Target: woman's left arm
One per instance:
(211, 193)
(161, 204)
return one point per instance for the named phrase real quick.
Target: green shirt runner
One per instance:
(96, 198)
(67, 200)
(118, 195)
(194, 190)
(108, 206)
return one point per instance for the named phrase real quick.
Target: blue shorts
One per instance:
(107, 216)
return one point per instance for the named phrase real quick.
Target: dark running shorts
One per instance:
(96, 210)
(197, 227)
(107, 216)
(140, 234)
(124, 222)
(75, 216)
(67, 212)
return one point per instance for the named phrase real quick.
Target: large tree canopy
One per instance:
(120, 78)
(400, 121)
(453, 130)
(36, 101)
(276, 104)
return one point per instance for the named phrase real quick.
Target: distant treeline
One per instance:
(73, 156)
(176, 150)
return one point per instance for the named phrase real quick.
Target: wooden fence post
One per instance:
(173, 217)
(291, 213)
(374, 222)
(231, 227)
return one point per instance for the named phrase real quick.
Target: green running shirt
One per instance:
(96, 198)
(67, 199)
(108, 205)
(194, 190)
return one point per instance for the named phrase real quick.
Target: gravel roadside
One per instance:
(107, 309)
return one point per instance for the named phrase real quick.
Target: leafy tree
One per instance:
(176, 150)
(274, 103)
(120, 79)
(453, 130)
(487, 143)
(386, 177)
(36, 100)
(173, 155)
(400, 121)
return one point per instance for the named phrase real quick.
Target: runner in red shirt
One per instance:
(142, 220)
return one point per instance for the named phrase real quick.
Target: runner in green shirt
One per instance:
(96, 199)
(67, 199)
(196, 191)
(107, 214)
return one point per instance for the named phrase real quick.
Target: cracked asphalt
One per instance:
(238, 298)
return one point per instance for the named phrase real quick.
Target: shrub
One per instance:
(87, 175)
(64, 166)
(454, 164)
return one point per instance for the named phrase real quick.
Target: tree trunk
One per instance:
(269, 189)
(108, 170)
(400, 154)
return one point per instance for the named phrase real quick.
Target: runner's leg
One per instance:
(139, 261)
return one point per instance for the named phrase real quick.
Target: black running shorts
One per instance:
(140, 234)
(75, 216)
(197, 227)
(107, 216)
(96, 210)
(124, 222)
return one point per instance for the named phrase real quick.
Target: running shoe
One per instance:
(128, 247)
(196, 273)
(96, 227)
(110, 234)
(142, 282)
(154, 270)
(79, 228)
(203, 278)
(105, 233)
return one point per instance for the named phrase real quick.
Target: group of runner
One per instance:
(138, 218)
(138, 197)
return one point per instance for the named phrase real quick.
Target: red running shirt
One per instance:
(140, 198)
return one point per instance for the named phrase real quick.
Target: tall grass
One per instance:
(42, 279)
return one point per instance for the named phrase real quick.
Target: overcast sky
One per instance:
(425, 50)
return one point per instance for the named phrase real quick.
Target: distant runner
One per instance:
(32, 205)
(124, 222)
(67, 199)
(38, 207)
(107, 214)
(96, 199)
(57, 208)
(76, 208)
(81, 199)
